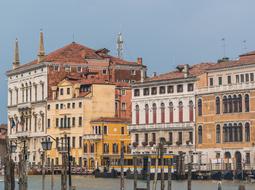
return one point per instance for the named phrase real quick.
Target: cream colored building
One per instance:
(75, 103)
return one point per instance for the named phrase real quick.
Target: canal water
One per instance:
(91, 183)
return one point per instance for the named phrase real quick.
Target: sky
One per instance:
(164, 32)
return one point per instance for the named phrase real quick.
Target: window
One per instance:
(56, 68)
(137, 114)
(73, 121)
(154, 138)
(122, 130)
(247, 158)
(79, 69)
(162, 108)
(137, 92)
(73, 105)
(180, 88)
(123, 106)
(191, 137)
(220, 81)
(56, 106)
(191, 112)
(190, 87)
(68, 105)
(133, 72)
(146, 114)
(235, 104)
(162, 89)
(180, 112)
(199, 106)
(230, 106)
(252, 77)
(137, 138)
(218, 135)
(68, 122)
(61, 91)
(73, 143)
(146, 138)
(154, 110)
(247, 77)
(170, 89)
(211, 81)
(154, 90)
(80, 121)
(106, 148)
(225, 104)
(240, 103)
(68, 90)
(85, 148)
(48, 106)
(200, 133)
(247, 103)
(123, 92)
(217, 105)
(247, 132)
(171, 112)
(67, 68)
(105, 130)
(104, 71)
(61, 106)
(115, 148)
(242, 77)
(237, 79)
(146, 91)
(229, 79)
(179, 138)
(57, 122)
(170, 140)
(48, 123)
(80, 104)
(92, 148)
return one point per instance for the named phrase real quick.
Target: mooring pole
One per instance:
(52, 174)
(149, 174)
(43, 171)
(169, 179)
(122, 169)
(135, 172)
(162, 167)
(156, 171)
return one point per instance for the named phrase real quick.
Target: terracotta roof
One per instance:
(228, 64)
(194, 70)
(111, 119)
(77, 53)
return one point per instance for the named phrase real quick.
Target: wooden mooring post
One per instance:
(135, 172)
(162, 178)
(149, 174)
(52, 174)
(169, 179)
(122, 169)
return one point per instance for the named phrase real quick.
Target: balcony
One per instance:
(24, 106)
(21, 134)
(92, 137)
(161, 126)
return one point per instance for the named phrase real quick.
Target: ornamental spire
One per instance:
(41, 52)
(16, 61)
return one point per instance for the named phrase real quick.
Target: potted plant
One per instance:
(144, 143)
(151, 143)
(135, 144)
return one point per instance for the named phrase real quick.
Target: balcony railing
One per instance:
(161, 126)
(92, 137)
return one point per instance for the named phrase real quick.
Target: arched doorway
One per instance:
(227, 157)
(238, 158)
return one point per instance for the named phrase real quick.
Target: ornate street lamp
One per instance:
(46, 144)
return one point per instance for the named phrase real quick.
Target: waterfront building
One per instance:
(225, 114)
(30, 87)
(163, 108)
(75, 102)
(102, 147)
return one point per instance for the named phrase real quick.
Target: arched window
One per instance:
(225, 133)
(162, 112)
(200, 135)
(240, 132)
(240, 103)
(247, 103)
(230, 132)
(247, 132)
(180, 112)
(218, 135)
(146, 114)
(230, 107)
(137, 114)
(191, 112)
(199, 106)
(235, 128)
(225, 105)
(217, 105)
(171, 112)
(235, 102)
(154, 110)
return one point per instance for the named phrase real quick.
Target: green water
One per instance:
(91, 183)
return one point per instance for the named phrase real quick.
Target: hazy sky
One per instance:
(163, 32)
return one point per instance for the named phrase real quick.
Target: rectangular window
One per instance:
(154, 138)
(56, 106)
(180, 138)
(154, 90)
(220, 81)
(80, 121)
(191, 137)
(56, 68)
(180, 88)
(68, 105)
(73, 121)
(162, 89)
(242, 77)
(57, 122)
(146, 91)
(247, 77)
(211, 81)
(104, 71)
(67, 68)
(248, 158)
(252, 77)
(146, 137)
(170, 89)
(62, 122)
(73, 143)
(48, 106)
(122, 130)
(137, 92)
(123, 106)
(229, 80)
(137, 138)
(79, 69)
(61, 106)
(133, 72)
(80, 142)
(73, 105)
(68, 90)
(80, 104)
(48, 123)
(123, 92)
(190, 87)
(170, 140)
(237, 79)
(68, 122)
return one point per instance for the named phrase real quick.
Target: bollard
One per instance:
(241, 187)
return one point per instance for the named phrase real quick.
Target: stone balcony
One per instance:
(92, 137)
(162, 126)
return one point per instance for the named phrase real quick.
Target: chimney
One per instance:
(186, 70)
(140, 60)
(154, 74)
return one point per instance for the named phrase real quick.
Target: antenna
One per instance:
(73, 38)
(244, 45)
(224, 47)
(120, 43)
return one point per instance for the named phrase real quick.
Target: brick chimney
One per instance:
(140, 60)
